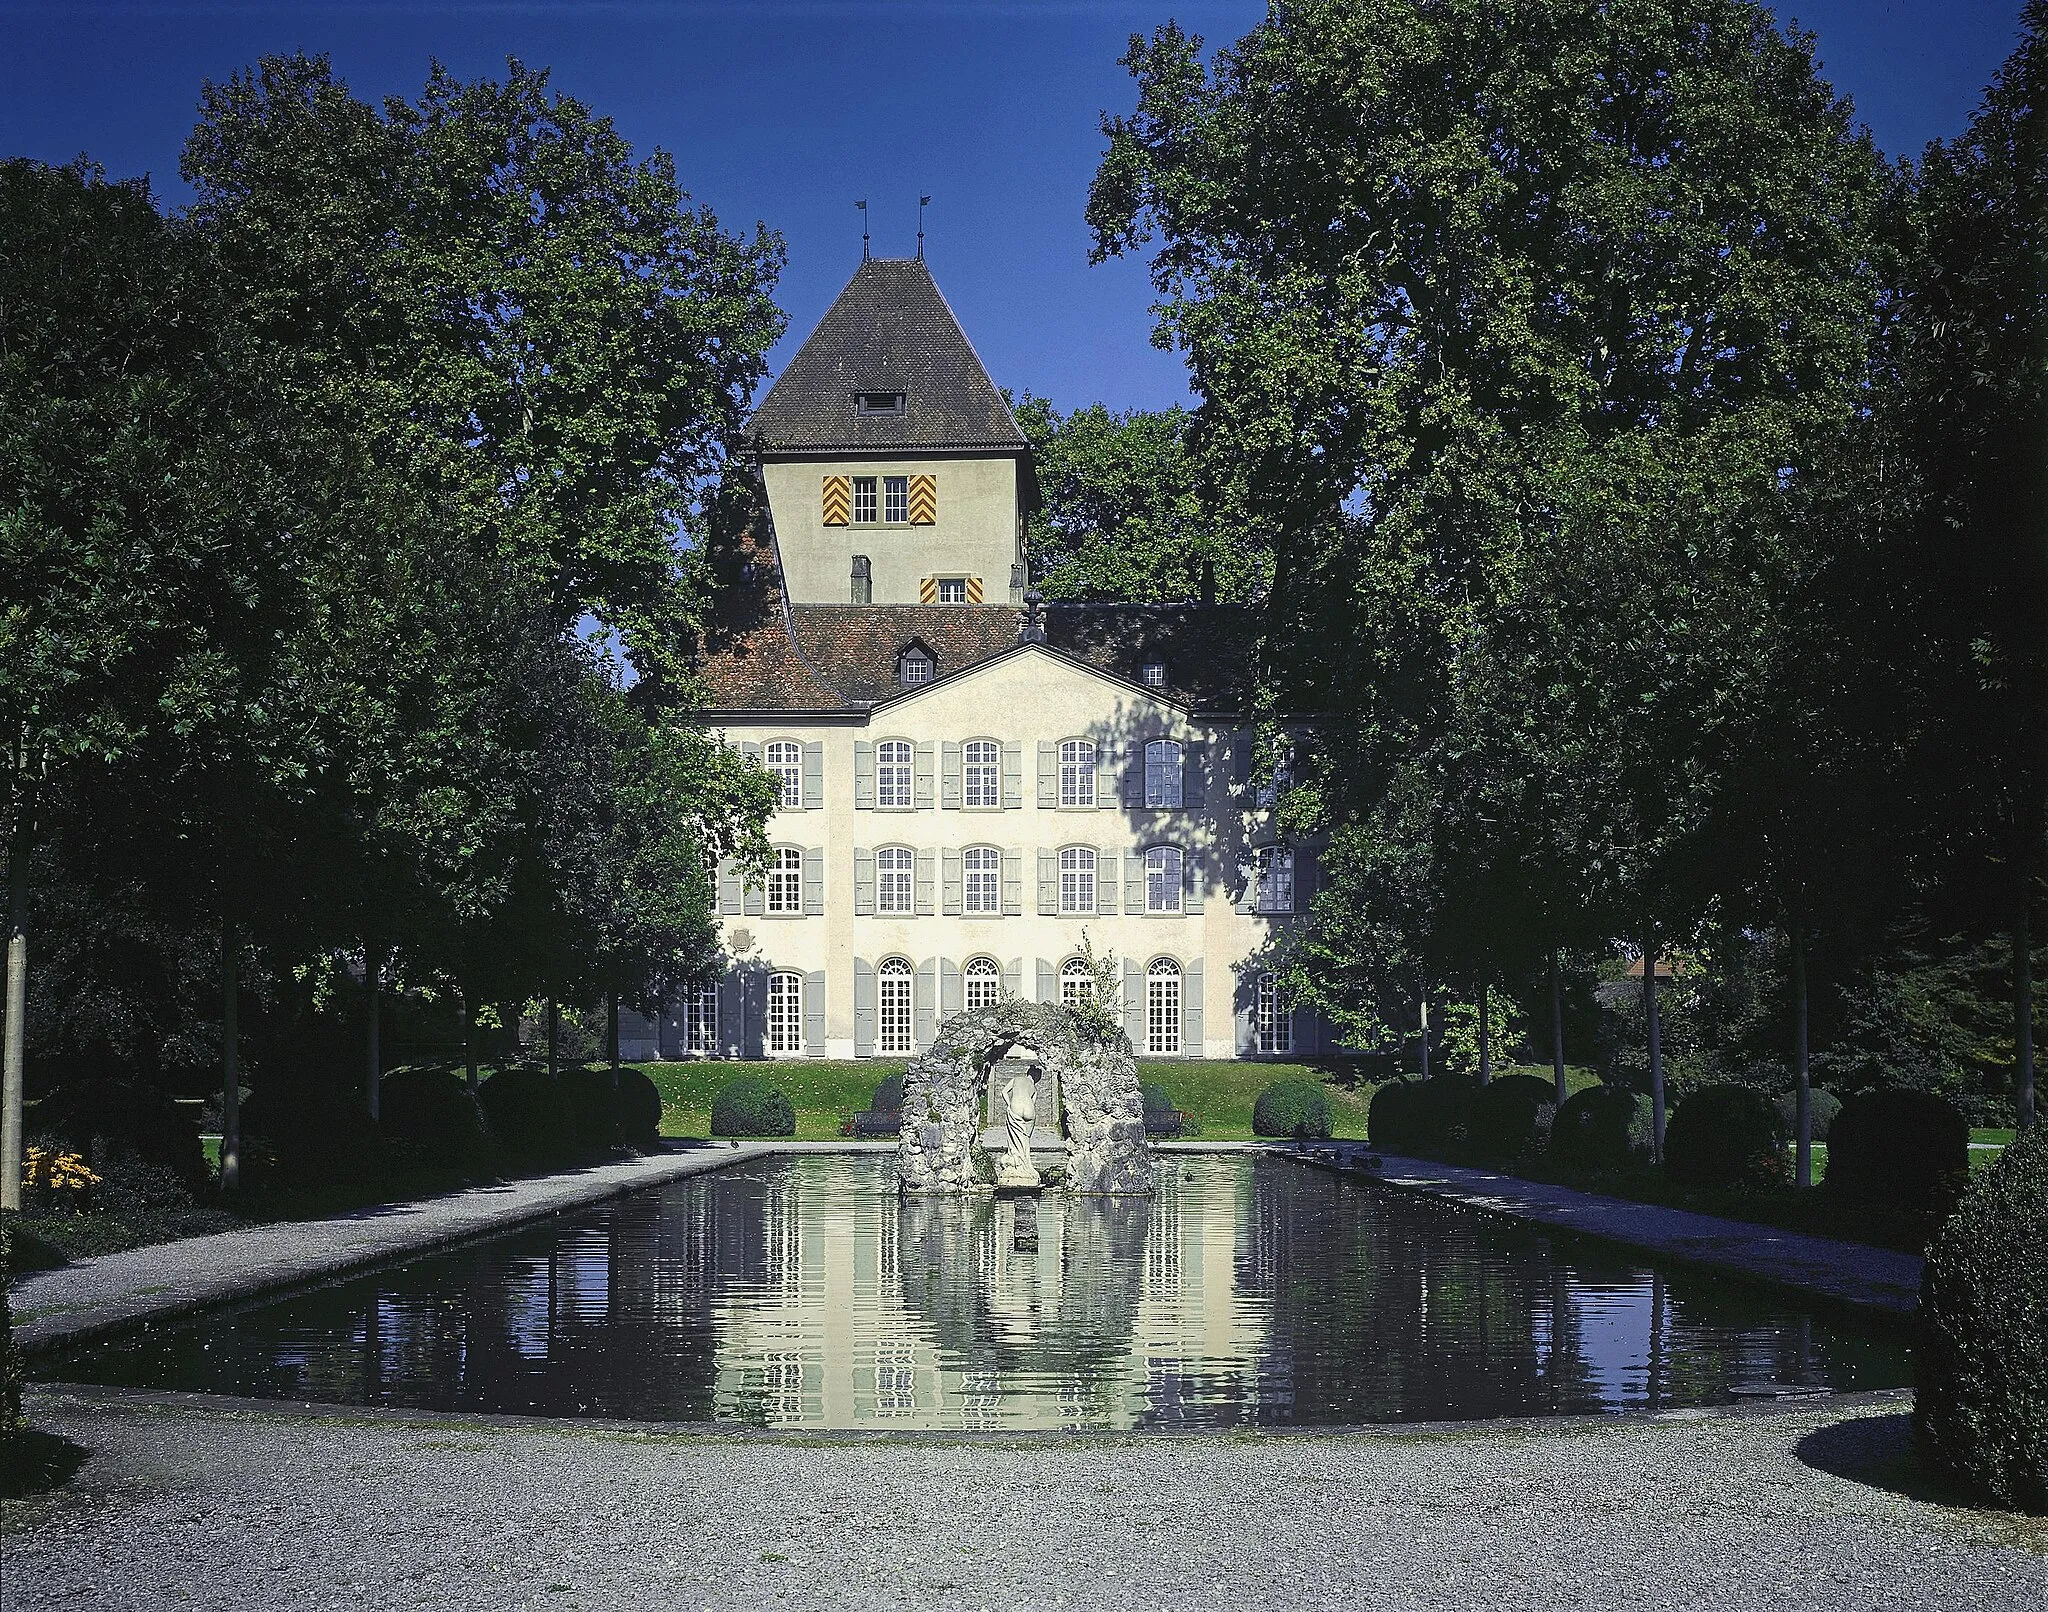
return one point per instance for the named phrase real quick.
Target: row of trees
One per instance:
(351, 541)
(1652, 477)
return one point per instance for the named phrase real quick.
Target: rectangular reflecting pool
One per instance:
(804, 1293)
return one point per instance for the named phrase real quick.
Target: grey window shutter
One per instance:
(1134, 883)
(1247, 1017)
(1105, 777)
(922, 778)
(863, 1008)
(863, 882)
(1048, 982)
(814, 1015)
(1241, 758)
(1048, 884)
(1307, 1022)
(955, 880)
(1013, 976)
(951, 998)
(753, 901)
(751, 751)
(1191, 1011)
(1013, 884)
(949, 776)
(1193, 885)
(1134, 1004)
(1308, 872)
(814, 881)
(1106, 884)
(1048, 774)
(754, 1011)
(1134, 777)
(728, 887)
(729, 1014)
(1013, 776)
(924, 1021)
(814, 776)
(863, 775)
(1194, 774)
(925, 906)
(1247, 899)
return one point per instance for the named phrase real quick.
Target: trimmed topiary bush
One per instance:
(434, 1111)
(1602, 1128)
(639, 1110)
(1826, 1105)
(528, 1114)
(593, 1108)
(1508, 1116)
(1294, 1108)
(750, 1106)
(1900, 1150)
(1724, 1136)
(1395, 1118)
(101, 1117)
(299, 1134)
(1980, 1416)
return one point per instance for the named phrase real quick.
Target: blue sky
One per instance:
(786, 111)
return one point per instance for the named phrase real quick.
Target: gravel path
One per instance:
(184, 1504)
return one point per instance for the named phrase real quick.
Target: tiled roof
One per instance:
(889, 331)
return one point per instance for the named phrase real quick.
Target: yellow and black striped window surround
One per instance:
(949, 590)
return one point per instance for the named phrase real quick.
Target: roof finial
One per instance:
(863, 206)
(922, 203)
(1031, 630)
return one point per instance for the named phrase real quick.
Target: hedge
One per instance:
(435, 1111)
(303, 1134)
(1395, 1119)
(1508, 1115)
(1603, 1128)
(1293, 1108)
(1726, 1136)
(1899, 1150)
(750, 1106)
(125, 1114)
(1825, 1106)
(1980, 1413)
(528, 1114)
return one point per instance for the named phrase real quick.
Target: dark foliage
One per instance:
(593, 1108)
(1825, 1106)
(1422, 1114)
(102, 1118)
(1293, 1108)
(1395, 1118)
(1508, 1115)
(750, 1106)
(298, 1134)
(1724, 1136)
(888, 1097)
(528, 1114)
(434, 1111)
(1900, 1150)
(638, 1109)
(1602, 1128)
(1981, 1412)
(10, 1362)
(1162, 1118)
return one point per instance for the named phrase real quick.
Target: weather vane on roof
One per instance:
(922, 203)
(863, 206)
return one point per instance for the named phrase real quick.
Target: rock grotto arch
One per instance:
(939, 1148)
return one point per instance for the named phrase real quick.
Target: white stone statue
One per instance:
(1020, 1115)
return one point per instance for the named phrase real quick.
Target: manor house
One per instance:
(971, 781)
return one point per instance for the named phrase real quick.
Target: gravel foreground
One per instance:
(186, 1503)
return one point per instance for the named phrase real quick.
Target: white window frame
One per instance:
(1274, 1023)
(895, 882)
(784, 759)
(1274, 890)
(895, 500)
(1077, 867)
(785, 892)
(1163, 1016)
(1077, 772)
(981, 983)
(1162, 772)
(915, 668)
(1153, 674)
(864, 500)
(981, 877)
(700, 1020)
(950, 590)
(1165, 876)
(894, 1002)
(895, 775)
(1077, 984)
(783, 1034)
(981, 773)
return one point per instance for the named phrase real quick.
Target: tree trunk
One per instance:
(554, 1037)
(1656, 1042)
(611, 1030)
(2023, 1010)
(373, 993)
(1557, 1025)
(17, 1024)
(1485, 1033)
(1802, 1083)
(230, 1058)
(1425, 1029)
(468, 1038)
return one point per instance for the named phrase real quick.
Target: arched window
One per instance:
(984, 983)
(786, 880)
(1162, 879)
(863, 580)
(895, 881)
(786, 764)
(983, 764)
(1077, 772)
(1162, 1007)
(785, 1013)
(1076, 983)
(1077, 880)
(892, 773)
(892, 988)
(914, 668)
(982, 868)
(1162, 773)
(1275, 1022)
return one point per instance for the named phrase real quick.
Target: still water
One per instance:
(804, 1293)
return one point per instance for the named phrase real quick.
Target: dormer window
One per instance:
(1153, 674)
(914, 667)
(879, 403)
